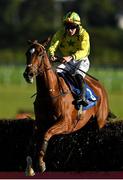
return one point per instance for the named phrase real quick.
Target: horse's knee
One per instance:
(55, 130)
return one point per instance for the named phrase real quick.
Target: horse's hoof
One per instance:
(29, 172)
(29, 160)
(42, 167)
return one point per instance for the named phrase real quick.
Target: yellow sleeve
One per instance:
(54, 43)
(84, 47)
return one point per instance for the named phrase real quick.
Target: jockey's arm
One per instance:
(54, 43)
(67, 59)
(84, 47)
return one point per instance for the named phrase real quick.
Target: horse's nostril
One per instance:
(28, 75)
(31, 74)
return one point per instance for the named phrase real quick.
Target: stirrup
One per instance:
(81, 101)
(84, 102)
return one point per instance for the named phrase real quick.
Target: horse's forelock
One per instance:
(40, 45)
(35, 42)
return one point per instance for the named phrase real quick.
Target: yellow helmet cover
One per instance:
(72, 17)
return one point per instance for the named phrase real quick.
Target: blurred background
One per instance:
(21, 20)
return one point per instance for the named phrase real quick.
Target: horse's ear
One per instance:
(45, 42)
(35, 41)
(30, 42)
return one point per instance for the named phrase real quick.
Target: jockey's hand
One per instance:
(53, 58)
(67, 59)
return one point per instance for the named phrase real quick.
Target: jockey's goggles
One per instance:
(70, 26)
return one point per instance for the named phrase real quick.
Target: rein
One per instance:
(61, 88)
(54, 97)
(40, 72)
(62, 93)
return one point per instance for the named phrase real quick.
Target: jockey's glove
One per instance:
(53, 58)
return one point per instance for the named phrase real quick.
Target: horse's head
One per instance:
(34, 56)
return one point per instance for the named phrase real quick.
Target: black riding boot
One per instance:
(81, 97)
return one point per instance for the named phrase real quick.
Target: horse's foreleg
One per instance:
(61, 127)
(29, 170)
(31, 148)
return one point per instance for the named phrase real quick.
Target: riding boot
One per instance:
(81, 97)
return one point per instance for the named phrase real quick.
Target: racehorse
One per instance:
(55, 112)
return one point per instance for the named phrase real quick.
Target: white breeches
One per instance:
(75, 67)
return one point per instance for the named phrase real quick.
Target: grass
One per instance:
(15, 93)
(116, 103)
(112, 81)
(15, 98)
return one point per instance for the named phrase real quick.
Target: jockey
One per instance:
(72, 41)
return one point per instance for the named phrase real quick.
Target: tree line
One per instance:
(21, 20)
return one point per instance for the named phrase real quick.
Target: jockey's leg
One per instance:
(81, 97)
(63, 70)
(83, 67)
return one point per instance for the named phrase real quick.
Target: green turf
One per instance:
(116, 103)
(15, 92)
(15, 98)
(112, 81)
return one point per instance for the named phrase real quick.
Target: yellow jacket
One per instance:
(77, 45)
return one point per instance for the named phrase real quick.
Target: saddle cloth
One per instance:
(90, 96)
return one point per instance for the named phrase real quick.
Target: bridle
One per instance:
(38, 69)
(35, 68)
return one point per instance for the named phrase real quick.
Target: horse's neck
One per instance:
(41, 86)
(49, 79)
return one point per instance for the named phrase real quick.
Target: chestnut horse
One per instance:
(54, 111)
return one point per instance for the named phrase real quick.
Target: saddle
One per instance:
(90, 96)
